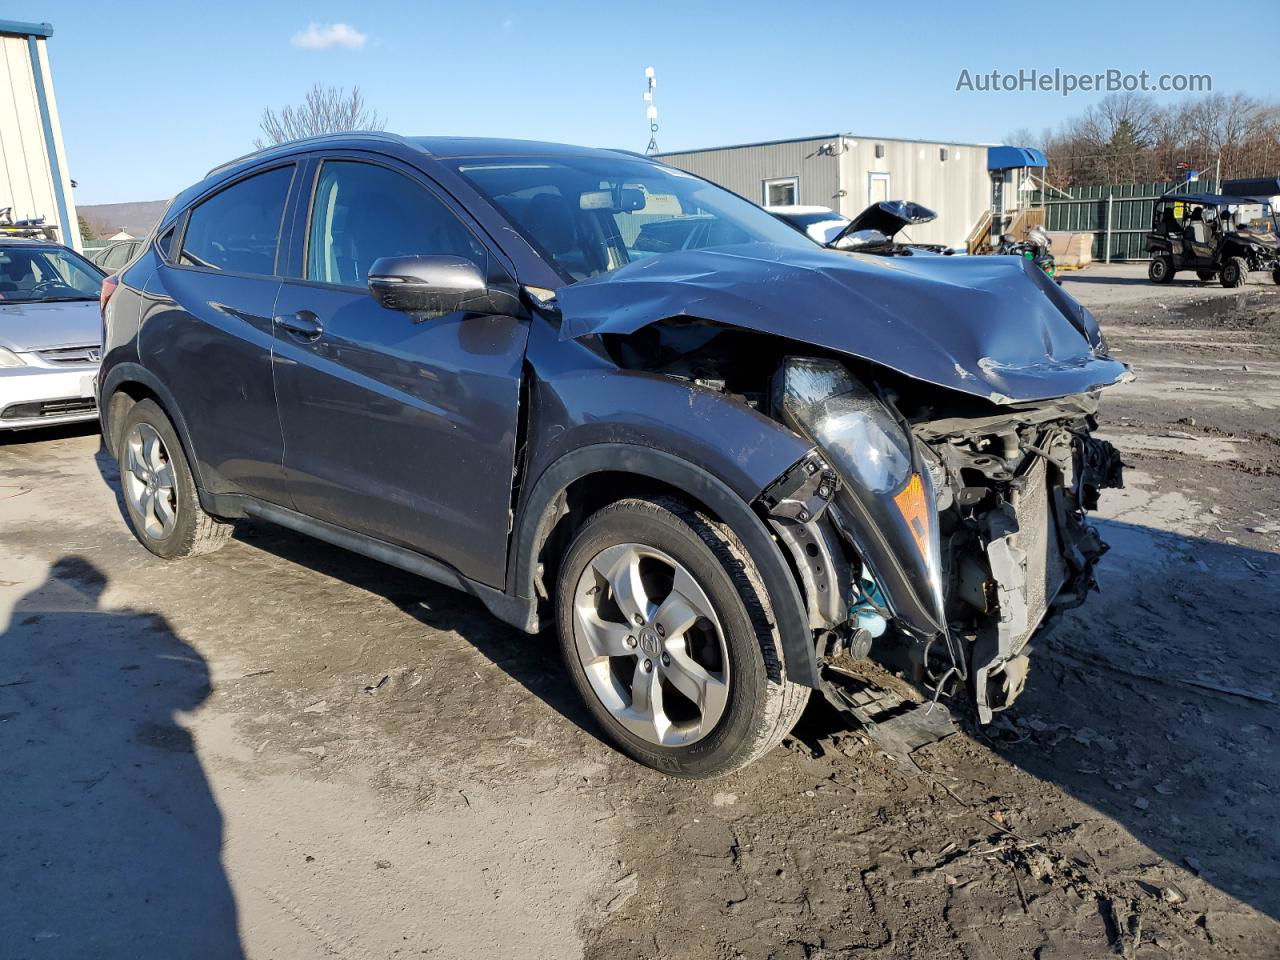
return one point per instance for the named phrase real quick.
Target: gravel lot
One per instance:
(283, 750)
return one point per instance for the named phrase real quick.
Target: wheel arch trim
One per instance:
(539, 510)
(122, 374)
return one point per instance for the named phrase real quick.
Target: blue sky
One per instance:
(153, 94)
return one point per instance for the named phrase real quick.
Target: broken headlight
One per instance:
(890, 499)
(823, 401)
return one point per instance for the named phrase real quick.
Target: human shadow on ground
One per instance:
(111, 838)
(1154, 703)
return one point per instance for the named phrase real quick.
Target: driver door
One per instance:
(399, 429)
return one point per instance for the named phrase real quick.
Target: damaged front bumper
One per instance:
(1011, 497)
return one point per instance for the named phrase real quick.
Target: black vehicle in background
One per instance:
(1219, 237)
(875, 230)
(597, 392)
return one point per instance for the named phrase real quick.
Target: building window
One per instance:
(782, 192)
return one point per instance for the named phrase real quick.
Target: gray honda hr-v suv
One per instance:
(730, 473)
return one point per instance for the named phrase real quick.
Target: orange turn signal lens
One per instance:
(916, 510)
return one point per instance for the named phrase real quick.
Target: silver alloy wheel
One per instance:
(148, 481)
(651, 644)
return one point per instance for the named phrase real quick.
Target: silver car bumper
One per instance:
(43, 394)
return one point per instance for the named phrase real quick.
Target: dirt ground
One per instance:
(283, 750)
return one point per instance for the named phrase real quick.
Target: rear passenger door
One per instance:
(399, 429)
(207, 332)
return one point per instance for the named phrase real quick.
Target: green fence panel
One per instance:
(1083, 209)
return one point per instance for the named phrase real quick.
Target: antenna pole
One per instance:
(651, 112)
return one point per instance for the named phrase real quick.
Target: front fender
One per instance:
(539, 511)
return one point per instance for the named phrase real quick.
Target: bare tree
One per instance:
(1128, 138)
(325, 110)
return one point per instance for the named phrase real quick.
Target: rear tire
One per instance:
(159, 490)
(1275, 276)
(722, 642)
(1235, 272)
(1160, 270)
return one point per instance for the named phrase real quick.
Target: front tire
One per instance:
(1275, 276)
(1235, 272)
(159, 490)
(668, 634)
(1160, 270)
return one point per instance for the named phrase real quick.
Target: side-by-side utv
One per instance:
(1218, 237)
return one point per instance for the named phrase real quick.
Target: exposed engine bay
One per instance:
(932, 532)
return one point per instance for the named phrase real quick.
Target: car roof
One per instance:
(440, 147)
(785, 208)
(31, 242)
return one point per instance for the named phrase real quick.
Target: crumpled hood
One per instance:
(990, 326)
(40, 326)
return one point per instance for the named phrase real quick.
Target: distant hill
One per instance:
(135, 218)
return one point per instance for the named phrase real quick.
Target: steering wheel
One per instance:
(49, 284)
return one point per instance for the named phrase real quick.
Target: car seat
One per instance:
(549, 219)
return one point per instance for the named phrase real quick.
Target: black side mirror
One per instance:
(429, 286)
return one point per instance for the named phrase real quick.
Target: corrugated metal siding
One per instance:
(26, 167)
(1131, 207)
(744, 169)
(957, 189)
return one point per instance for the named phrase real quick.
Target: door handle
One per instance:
(304, 324)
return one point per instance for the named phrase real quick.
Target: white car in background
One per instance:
(50, 334)
(822, 224)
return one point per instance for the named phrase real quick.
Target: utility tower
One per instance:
(651, 111)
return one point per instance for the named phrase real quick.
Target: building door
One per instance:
(877, 187)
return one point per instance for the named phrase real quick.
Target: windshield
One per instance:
(591, 215)
(31, 274)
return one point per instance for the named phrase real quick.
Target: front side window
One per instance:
(46, 274)
(238, 230)
(589, 215)
(363, 211)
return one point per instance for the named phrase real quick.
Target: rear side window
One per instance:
(238, 230)
(362, 212)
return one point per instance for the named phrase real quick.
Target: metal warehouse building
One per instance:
(847, 172)
(34, 178)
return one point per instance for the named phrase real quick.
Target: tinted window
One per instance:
(165, 243)
(239, 228)
(362, 212)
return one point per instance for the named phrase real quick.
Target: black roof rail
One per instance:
(312, 141)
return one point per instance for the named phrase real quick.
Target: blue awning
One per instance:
(1006, 158)
(18, 28)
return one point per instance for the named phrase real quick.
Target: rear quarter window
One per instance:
(238, 229)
